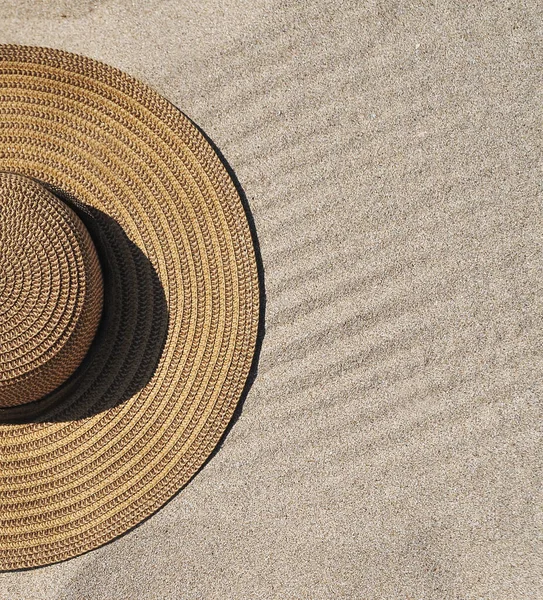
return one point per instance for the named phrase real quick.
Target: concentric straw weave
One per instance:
(166, 368)
(50, 291)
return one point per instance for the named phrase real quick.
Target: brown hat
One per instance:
(129, 303)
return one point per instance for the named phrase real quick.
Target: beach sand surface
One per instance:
(390, 152)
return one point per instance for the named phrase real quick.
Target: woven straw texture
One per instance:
(180, 305)
(50, 291)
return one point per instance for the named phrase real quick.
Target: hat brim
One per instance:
(181, 309)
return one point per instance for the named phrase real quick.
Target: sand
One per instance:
(390, 446)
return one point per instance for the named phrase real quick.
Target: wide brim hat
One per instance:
(129, 303)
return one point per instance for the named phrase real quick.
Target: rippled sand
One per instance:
(390, 446)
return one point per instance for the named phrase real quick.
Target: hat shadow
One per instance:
(130, 338)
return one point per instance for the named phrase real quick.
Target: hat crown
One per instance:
(51, 291)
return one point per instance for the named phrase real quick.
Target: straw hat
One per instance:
(128, 303)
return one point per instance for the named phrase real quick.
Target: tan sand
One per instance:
(390, 447)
